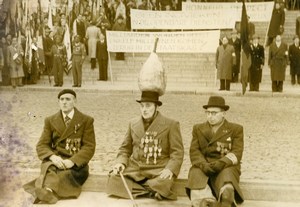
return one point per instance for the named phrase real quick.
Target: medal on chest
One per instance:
(151, 147)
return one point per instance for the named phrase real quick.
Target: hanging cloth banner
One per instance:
(257, 11)
(206, 19)
(169, 42)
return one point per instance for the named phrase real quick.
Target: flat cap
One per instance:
(64, 91)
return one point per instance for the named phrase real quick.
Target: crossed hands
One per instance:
(212, 168)
(61, 163)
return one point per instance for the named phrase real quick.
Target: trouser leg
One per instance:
(293, 79)
(227, 195)
(202, 197)
(222, 84)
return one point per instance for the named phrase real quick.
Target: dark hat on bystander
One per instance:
(216, 101)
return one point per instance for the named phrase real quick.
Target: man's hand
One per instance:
(118, 168)
(68, 163)
(166, 174)
(57, 161)
(218, 166)
(206, 168)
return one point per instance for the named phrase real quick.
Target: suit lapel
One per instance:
(222, 131)
(58, 123)
(138, 127)
(158, 125)
(76, 120)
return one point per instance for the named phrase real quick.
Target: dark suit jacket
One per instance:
(56, 137)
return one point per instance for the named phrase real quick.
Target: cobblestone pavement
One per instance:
(271, 128)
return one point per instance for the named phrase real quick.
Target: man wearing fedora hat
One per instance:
(215, 152)
(151, 154)
(294, 57)
(65, 148)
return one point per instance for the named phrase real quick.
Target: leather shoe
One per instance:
(208, 203)
(74, 85)
(46, 196)
(158, 197)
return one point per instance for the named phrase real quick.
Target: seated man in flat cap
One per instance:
(150, 156)
(215, 152)
(66, 146)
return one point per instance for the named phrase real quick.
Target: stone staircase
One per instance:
(196, 70)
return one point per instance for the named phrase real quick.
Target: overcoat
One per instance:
(209, 147)
(92, 35)
(258, 59)
(166, 133)
(76, 143)
(278, 61)
(225, 59)
(15, 64)
(294, 57)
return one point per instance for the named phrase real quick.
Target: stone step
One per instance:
(252, 189)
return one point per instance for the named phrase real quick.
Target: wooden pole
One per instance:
(128, 190)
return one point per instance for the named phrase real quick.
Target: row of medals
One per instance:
(151, 147)
(73, 145)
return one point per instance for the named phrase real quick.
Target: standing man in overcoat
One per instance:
(216, 151)
(15, 56)
(92, 35)
(225, 60)
(257, 63)
(102, 57)
(294, 56)
(278, 59)
(151, 154)
(65, 148)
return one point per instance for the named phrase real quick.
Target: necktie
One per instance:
(67, 121)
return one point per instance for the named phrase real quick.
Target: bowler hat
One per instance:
(216, 101)
(64, 91)
(150, 96)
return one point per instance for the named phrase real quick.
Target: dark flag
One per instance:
(246, 49)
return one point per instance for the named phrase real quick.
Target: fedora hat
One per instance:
(216, 101)
(150, 96)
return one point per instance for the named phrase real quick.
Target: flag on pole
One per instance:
(67, 43)
(50, 22)
(245, 54)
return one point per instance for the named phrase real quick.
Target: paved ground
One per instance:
(271, 126)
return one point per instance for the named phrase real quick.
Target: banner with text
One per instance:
(169, 42)
(206, 19)
(257, 11)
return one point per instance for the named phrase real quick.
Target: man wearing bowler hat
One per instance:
(65, 148)
(151, 154)
(215, 152)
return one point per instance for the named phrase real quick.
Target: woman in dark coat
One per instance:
(294, 56)
(216, 151)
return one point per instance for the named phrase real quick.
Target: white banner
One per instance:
(169, 42)
(258, 11)
(206, 19)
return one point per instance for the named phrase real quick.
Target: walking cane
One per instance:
(128, 191)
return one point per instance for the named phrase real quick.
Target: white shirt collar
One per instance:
(70, 115)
